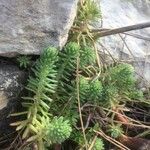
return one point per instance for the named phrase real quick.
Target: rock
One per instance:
(11, 84)
(119, 13)
(26, 27)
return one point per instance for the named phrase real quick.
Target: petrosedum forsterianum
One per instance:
(58, 130)
(41, 86)
(53, 88)
(109, 96)
(115, 131)
(95, 90)
(87, 56)
(122, 77)
(66, 68)
(24, 61)
(90, 90)
(83, 86)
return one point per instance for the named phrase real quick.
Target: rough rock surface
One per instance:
(11, 84)
(28, 26)
(119, 13)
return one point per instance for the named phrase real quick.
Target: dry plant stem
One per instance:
(130, 119)
(79, 105)
(130, 125)
(126, 45)
(65, 105)
(88, 121)
(114, 60)
(123, 29)
(138, 36)
(93, 142)
(104, 29)
(125, 122)
(15, 140)
(97, 54)
(147, 132)
(24, 146)
(113, 141)
(20, 142)
(133, 125)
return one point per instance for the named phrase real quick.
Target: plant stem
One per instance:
(79, 105)
(122, 29)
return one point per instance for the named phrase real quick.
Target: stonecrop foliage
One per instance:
(39, 124)
(51, 109)
(88, 12)
(70, 95)
(23, 61)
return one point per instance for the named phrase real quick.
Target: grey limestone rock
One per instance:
(11, 83)
(28, 26)
(125, 47)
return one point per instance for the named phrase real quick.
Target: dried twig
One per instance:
(122, 29)
(113, 141)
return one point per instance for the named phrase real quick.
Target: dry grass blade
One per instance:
(139, 124)
(111, 140)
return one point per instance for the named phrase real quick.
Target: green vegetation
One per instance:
(72, 99)
(88, 11)
(53, 90)
(23, 61)
(116, 131)
(40, 125)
